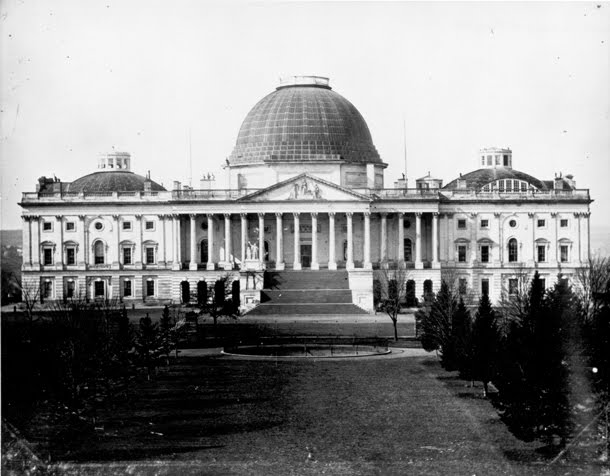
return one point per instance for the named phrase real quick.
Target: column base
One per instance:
(350, 265)
(419, 265)
(297, 266)
(176, 266)
(402, 264)
(280, 266)
(367, 266)
(210, 266)
(436, 265)
(226, 265)
(384, 265)
(332, 266)
(192, 266)
(315, 266)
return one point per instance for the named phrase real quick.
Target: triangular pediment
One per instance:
(304, 188)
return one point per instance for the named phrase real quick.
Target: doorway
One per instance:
(306, 256)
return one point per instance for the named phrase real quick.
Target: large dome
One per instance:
(112, 181)
(304, 121)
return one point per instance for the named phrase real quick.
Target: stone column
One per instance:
(162, 245)
(435, 262)
(498, 217)
(59, 260)
(553, 258)
(578, 241)
(27, 241)
(279, 242)
(84, 245)
(117, 241)
(314, 241)
(451, 239)
(473, 238)
(401, 240)
(138, 242)
(587, 237)
(532, 253)
(297, 242)
(227, 258)
(244, 238)
(332, 263)
(418, 262)
(383, 240)
(210, 264)
(261, 238)
(193, 262)
(349, 264)
(176, 261)
(367, 241)
(36, 243)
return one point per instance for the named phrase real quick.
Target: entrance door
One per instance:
(306, 256)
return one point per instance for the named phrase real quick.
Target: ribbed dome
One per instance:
(301, 122)
(112, 181)
(480, 177)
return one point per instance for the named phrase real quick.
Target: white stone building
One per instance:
(304, 160)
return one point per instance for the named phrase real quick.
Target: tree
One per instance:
(392, 290)
(484, 340)
(148, 345)
(461, 334)
(30, 294)
(220, 302)
(592, 283)
(435, 324)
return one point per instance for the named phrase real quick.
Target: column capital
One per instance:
(314, 214)
(227, 216)
(554, 214)
(116, 217)
(349, 214)
(261, 214)
(473, 214)
(367, 214)
(243, 215)
(162, 216)
(418, 214)
(58, 217)
(278, 214)
(26, 218)
(139, 216)
(449, 215)
(436, 214)
(401, 214)
(192, 216)
(531, 214)
(383, 214)
(82, 217)
(331, 214)
(497, 215)
(296, 214)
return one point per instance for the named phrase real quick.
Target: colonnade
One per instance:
(226, 262)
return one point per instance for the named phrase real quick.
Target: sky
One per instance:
(81, 78)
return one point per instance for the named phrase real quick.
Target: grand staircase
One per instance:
(306, 292)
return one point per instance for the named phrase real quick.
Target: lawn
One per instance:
(215, 415)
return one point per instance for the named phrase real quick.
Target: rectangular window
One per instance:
(543, 283)
(505, 160)
(126, 226)
(150, 255)
(462, 285)
(47, 289)
(127, 288)
(70, 226)
(541, 223)
(509, 185)
(149, 225)
(563, 253)
(484, 223)
(126, 255)
(541, 253)
(70, 289)
(485, 254)
(48, 256)
(513, 286)
(485, 287)
(150, 288)
(462, 253)
(70, 256)
(47, 226)
(98, 288)
(461, 224)
(563, 223)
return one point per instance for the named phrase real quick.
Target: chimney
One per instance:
(177, 185)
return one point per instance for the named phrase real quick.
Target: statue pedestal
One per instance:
(253, 265)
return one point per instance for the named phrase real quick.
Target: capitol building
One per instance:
(304, 195)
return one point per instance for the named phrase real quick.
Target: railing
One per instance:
(212, 194)
(581, 194)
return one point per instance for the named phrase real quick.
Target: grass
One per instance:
(219, 416)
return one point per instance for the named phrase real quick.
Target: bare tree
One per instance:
(30, 294)
(393, 292)
(592, 281)
(219, 301)
(514, 303)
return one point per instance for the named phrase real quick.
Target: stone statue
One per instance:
(249, 251)
(254, 251)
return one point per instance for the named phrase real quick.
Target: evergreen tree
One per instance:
(149, 346)
(166, 334)
(484, 338)
(435, 325)
(461, 332)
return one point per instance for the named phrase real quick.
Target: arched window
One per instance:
(98, 252)
(427, 287)
(266, 255)
(408, 248)
(202, 293)
(204, 251)
(513, 255)
(185, 287)
(411, 299)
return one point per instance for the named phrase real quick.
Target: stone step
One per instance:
(299, 280)
(284, 296)
(300, 309)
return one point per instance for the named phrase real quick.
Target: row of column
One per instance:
(226, 261)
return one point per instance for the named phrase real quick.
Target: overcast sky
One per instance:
(80, 78)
